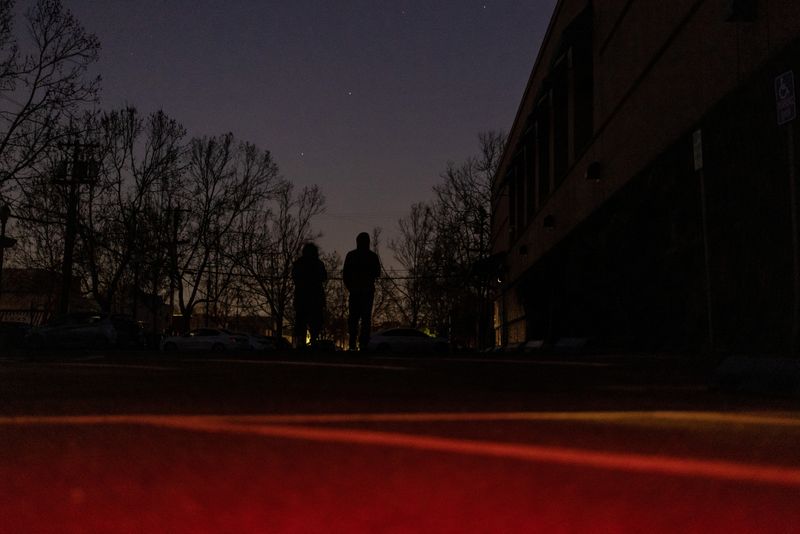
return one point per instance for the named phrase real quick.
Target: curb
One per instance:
(770, 376)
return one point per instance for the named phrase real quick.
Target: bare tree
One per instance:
(275, 241)
(462, 204)
(384, 307)
(335, 324)
(39, 227)
(228, 183)
(440, 245)
(413, 251)
(120, 220)
(43, 85)
(462, 214)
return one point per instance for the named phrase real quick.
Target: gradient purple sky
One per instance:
(368, 98)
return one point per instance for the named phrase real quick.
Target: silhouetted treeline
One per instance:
(203, 223)
(142, 213)
(442, 245)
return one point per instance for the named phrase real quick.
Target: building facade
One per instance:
(646, 196)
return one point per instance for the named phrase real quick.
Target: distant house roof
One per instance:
(33, 281)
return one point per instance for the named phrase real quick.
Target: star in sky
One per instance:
(429, 91)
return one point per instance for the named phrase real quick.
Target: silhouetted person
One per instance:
(309, 275)
(361, 268)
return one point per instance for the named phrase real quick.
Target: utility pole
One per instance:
(795, 333)
(81, 171)
(209, 291)
(174, 218)
(786, 108)
(173, 263)
(5, 241)
(136, 263)
(697, 148)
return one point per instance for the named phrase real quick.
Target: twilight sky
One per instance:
(367, 98)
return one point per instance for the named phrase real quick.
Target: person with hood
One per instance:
(309, 275)
(361, 268)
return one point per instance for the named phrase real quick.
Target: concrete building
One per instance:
(647, 193)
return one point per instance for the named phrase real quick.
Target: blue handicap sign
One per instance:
(785, 101)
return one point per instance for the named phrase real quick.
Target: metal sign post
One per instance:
(697, 151)
(786, 108)
(82, 171)
(785, 102)
(5, 241)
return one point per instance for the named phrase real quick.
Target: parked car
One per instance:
(243, 341)
(406, 340)
(13, 333)
(130, 333)
(326, 345)
(74, 330)
(201, 339)
(262, 343)
(277, 342)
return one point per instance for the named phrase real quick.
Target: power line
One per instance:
(330, 278)
(361, 216)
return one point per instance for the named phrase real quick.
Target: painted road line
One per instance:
(787, 420)
(791, 420)
(99, 365)
(628, 462)
(303, 363)
(563, 363)
(573, 457)
(654, 387)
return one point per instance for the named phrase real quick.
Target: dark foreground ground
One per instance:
(334, 443)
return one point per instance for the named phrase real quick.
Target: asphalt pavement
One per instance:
(137, 442)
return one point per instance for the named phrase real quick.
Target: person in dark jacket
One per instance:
(361, 268)
(309, 275)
